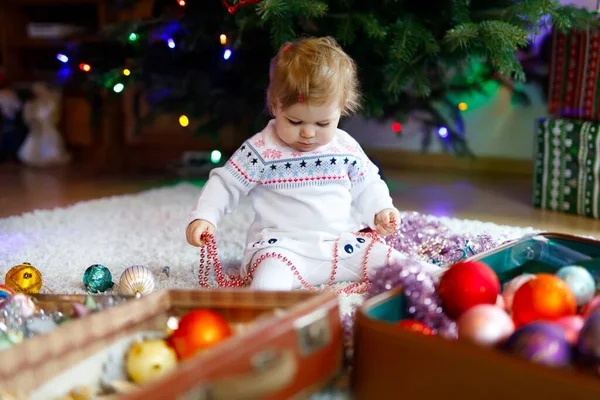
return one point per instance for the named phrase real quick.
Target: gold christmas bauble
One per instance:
(149, 360)
(24, 278)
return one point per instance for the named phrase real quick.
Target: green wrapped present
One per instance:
(567, 166)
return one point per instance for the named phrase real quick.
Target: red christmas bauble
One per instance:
(197, 331)
(416, 326)
(545, 298)
(467, 284)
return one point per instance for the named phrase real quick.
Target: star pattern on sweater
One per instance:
(254, 166)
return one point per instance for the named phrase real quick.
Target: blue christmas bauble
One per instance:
(580, 281)
(97, 278)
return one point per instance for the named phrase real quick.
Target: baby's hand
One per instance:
(386, 221)
(196, 229)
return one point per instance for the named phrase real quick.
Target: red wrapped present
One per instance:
(575, 75)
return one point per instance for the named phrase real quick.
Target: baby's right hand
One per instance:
(196, 229)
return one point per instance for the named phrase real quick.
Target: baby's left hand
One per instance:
(386, 221)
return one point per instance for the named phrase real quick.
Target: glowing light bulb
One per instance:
(85, 67)
(118, 88)
(62, 58)
(181, 3)
(396, 127)
(171, 43)
(223, 38)
(126, 72)
(215, 156)
(443, 132)
(462, 106)
(227, 54)
(133, 37)
(184, 121)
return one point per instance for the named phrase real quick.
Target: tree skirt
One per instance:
(149, 229)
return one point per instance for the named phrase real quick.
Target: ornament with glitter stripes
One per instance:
(137, 280)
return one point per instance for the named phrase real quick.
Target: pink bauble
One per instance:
(510, 288)
(20, 304)
(485, 325)
(572, 324)
(592, 306)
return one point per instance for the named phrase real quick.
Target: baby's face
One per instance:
(306, 127)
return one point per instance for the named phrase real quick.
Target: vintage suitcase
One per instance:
(390, 363)
(286, 345)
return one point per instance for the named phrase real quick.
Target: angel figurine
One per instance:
(43, 145)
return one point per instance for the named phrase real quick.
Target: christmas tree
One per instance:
(209, 59)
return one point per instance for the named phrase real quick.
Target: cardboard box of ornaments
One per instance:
(181, 344)
(521, 321)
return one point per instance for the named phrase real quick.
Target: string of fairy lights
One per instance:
(119, 85)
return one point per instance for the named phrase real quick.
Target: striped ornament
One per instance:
(136, 280)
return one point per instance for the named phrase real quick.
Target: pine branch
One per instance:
(462, 36)
(501, 37)
(460, 11)
(405, 45)
(346, 31)
(268, 9)
(371, 26)
(281, 32)
(421, 85)
(309, 8)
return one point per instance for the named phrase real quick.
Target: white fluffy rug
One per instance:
(146, 228)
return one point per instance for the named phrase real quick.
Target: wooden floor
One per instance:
(502, 200)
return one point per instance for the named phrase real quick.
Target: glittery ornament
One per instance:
(422, 301)
(545, 298)
(572, 326)
(542, 343)
(467, 284)
(511, 287)
(97, 278)
(580, 281)
(24, 278)
(20, 304)
(13, 317)
(588, 343)
(416, 327)
(485, 325)
(197, 331)
(5, 292)
(149, 360)
(137, 280)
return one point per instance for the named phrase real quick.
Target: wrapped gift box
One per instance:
(567, 166)
(285, 344)
(575, 75)
(391, 363)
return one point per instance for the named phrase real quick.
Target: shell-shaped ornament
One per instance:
(137, 280)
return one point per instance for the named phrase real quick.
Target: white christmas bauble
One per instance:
(137, 280)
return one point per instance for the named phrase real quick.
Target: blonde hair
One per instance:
(315, 71)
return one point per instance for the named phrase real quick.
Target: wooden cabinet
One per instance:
(107, 134)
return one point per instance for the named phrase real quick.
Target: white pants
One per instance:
(275, 274)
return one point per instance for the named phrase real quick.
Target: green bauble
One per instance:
(97, 278)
